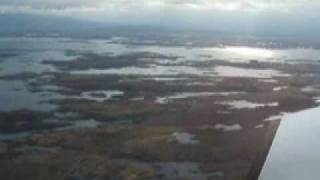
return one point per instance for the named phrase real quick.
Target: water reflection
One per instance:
(15, 95)
(32, 51)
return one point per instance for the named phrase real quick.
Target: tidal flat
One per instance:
(95, 110)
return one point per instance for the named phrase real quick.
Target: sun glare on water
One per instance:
(251, 52)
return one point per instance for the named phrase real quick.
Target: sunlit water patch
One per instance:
(99, 96)
(229, 71)
(276, 117)
(152, 70)
(272, 81)
(279, 88)
(243, 104)
(137, 98)
(79, 124)
(310, 89)
(246, 54)
(228, 53)
(185, 138)
(158, 70)
(165, 79)
(185, 95)
(224, 127)
(200, 83)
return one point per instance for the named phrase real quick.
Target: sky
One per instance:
(222, 14)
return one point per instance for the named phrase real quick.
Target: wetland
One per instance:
(97, 109)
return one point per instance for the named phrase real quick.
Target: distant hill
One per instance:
(22, 24)
(36, 25)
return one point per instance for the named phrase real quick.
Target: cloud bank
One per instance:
(146, 5)
(225, 14)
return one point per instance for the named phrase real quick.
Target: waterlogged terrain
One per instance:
(99, 109)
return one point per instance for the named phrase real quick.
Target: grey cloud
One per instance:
(60, 4)
(50, 4)
(216, 12)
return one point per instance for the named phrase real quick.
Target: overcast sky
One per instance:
(226, 14)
